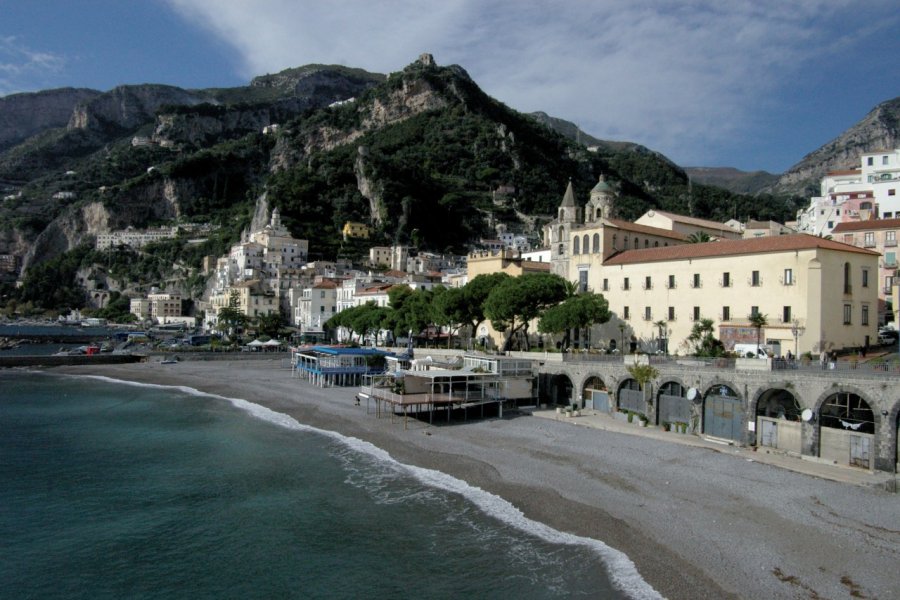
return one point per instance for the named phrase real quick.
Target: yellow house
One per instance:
(817, 294)
(353, 229)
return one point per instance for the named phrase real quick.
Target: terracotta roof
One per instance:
(870, 225)
(375, 289)
(695, 221)
(845, 172)
(646, 229)
(325, 285)
(781, 243)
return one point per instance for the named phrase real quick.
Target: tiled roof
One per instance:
(646, 229)
(845, 172)
(781, 243)
(695, 221)
(870, 225)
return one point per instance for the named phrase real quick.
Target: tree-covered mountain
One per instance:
(423, 155)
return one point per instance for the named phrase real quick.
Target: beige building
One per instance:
(159, 306)
(816, 293)
(688, 225)
(353, 229)
(878, 235)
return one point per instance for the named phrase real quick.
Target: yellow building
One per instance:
(353, 229)
(817, 294)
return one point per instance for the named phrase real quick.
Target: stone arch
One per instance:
(776, 414)
(847, 427)
(595, 391)
(559, 389)
(723, 412)
(630, 397)
(672, 405)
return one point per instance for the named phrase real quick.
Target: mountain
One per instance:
(24, 115)
(423, 155)
(878, 130)
(731, 179)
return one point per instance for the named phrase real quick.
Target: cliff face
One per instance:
(879, 130)
(130, 106)
(24, 115)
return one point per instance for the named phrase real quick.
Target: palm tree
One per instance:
(661, 325)
(699, 237)
(758, 320)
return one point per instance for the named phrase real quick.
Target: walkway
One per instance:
(807, 465)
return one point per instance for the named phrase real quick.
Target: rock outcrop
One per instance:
(24, 115)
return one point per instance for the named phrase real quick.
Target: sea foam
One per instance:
(622, 571)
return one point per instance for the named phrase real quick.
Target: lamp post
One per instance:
(622, 337)
(796, 330)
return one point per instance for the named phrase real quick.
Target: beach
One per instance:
(697, 523)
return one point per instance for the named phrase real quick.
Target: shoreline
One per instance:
(697, 524)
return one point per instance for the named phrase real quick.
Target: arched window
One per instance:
(559, 236)
(646, 243)
(596, 243)
(865, 206)
(656, 244)
(585, 244)
(575, 245)
(562, 249)
(637, 243)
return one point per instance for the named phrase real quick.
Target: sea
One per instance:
(116, 490)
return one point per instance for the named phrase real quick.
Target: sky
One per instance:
(755, 85)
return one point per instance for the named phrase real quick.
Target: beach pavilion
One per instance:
(327, 366)
(434, 391)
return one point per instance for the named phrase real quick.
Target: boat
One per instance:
(169, 360)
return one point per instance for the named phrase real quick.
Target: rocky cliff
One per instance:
(24, 115)
(128, 107)
(879, 130)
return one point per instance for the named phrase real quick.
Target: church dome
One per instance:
(602, 186)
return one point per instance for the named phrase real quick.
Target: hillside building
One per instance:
(880, 236)
(851, 195)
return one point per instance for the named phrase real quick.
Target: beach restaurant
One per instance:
(327, 366)
(417, 393)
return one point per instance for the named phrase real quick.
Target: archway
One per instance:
(673, 406)
(722, 413)
(595, 394)
(778, 421)
(560, 390)
(631, 397)
(847, 430)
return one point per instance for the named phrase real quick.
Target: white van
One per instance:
(750, 351)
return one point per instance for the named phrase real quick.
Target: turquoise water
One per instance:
(110, 490)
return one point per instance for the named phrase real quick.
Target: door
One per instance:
(722, 417)
(769, 433)
(859, 451)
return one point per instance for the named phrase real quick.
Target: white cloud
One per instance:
(679, 77)
(20, 66)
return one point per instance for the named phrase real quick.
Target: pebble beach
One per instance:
(697, 523)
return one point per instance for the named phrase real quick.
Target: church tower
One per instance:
(558, 232)
(602, 202)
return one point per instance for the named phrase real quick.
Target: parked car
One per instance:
(888, 337)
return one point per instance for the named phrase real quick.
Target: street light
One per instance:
(622, 338)
(796, 330)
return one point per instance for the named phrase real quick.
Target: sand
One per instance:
(697, 523)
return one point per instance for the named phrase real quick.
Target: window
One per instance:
(585, 248)
(671, 283)
(890, 238)
(322, 309)
(648, 283)
(892, 192)
(870, 161)
(648, 314)
(726, 313)
(625, 314)
(864, 317)
(786, 314)
(626, 284)
(696, 314)
(322, 294)
(890, 259)
(596, 243)
(788, 277)
(671, 314)
(869, 239)
(754, 310)
(884, 160)
(755, 280)
(582, 281)
(605, 284)
(726, 279)
(847, 288)
(848, 311)
(865, 278)
(576, 245)
(888, 284)
(561, 251)
(695, 281)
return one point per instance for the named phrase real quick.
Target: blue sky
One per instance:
(754, 85)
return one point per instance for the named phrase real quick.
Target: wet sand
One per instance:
(697, 523)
